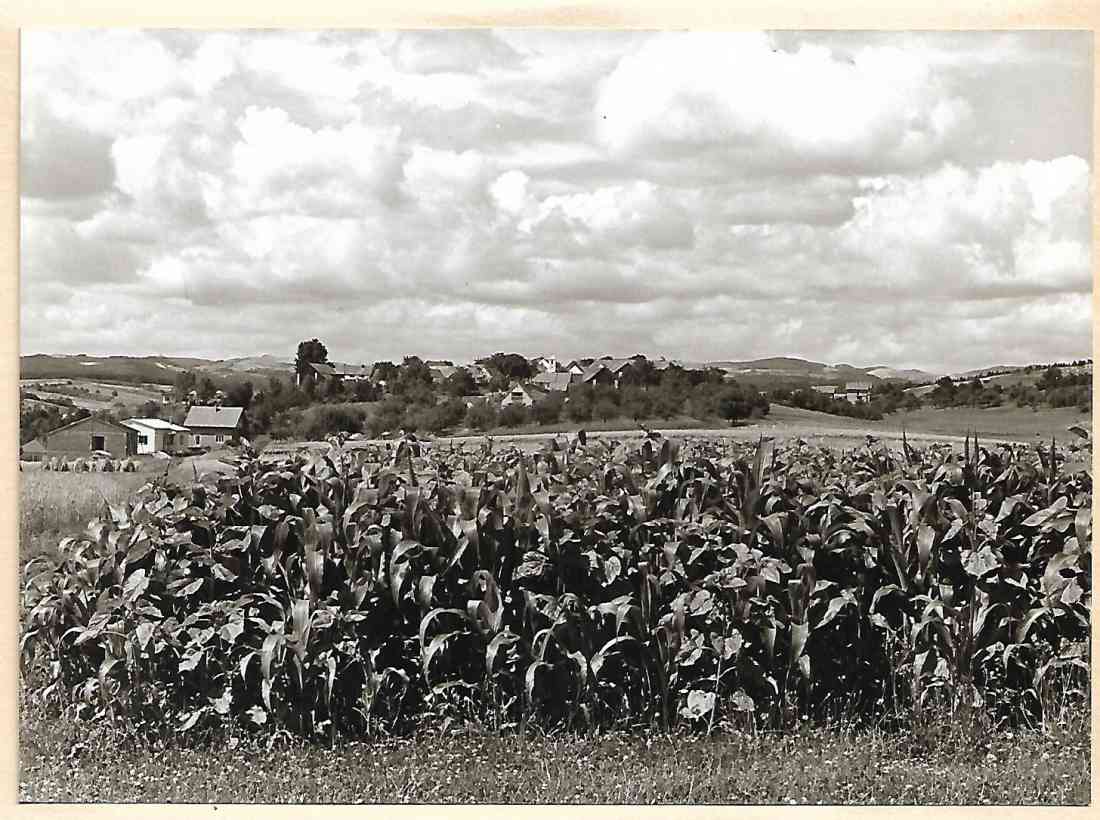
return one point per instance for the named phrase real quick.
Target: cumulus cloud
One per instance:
(766, 108)
(870, 198)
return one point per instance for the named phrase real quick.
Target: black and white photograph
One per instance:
(529, 415)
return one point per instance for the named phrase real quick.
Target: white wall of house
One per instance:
(208, 437)
(150, 440)
(517, 395)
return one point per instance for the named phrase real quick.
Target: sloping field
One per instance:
(784, 423)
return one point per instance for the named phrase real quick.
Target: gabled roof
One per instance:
(443, 371)
(614, 365)
(96, 419)
(154, 424)
(225, 417)
(338, 369)
(855, 387)
(553, 381)
(593, 370)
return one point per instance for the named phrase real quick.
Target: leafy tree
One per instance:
(636, 403)
(414, 380)
(150, 410)
(513, 415)
(1050, 379)
(309, 352)
(512, 366)
(334, 390)
(460, 383)
(207, 388)
(325, 421)
(548, 410)
(365, 391)
(240, 394)
(185, 382)
(605, 409)
(482, 415)
(386, 372)
(736, 402)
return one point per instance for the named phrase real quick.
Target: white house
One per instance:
(546, 364)
(154, 435)
(855, 392)
(521, 394)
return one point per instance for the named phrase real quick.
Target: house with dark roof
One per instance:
(577, 366)
(336, 371)
(211, 426)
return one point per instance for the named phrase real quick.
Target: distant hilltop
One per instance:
(774, 369)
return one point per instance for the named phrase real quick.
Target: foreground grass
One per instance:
(64, 762)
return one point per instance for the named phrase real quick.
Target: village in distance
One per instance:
(75, 407)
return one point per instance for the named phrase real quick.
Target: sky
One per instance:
(901, 199)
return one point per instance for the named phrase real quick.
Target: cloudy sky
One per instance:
(905, 199)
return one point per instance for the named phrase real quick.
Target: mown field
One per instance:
(64, 762)
(653, 620)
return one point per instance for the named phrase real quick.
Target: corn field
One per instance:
(654, 582)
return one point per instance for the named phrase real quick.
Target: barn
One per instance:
(212, 425)
(87, 434)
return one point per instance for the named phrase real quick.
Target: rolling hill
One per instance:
(143, 369)
(788, 369)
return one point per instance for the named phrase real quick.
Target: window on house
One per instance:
(219, 438)
(143, 439)
(198, 439)
(98, 443)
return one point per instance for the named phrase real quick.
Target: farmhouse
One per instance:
(597, 373)
(334, 371)
(522, 394)
(209, 426)
(482, 375)
(442, 372)
(606, 371)
(856, 392)
(546, 364)
(155, 435)
(577, 366)
(90, 433)
(554, 382)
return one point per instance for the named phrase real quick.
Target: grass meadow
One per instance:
(939, 765)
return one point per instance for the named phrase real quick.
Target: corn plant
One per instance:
(592, 583)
